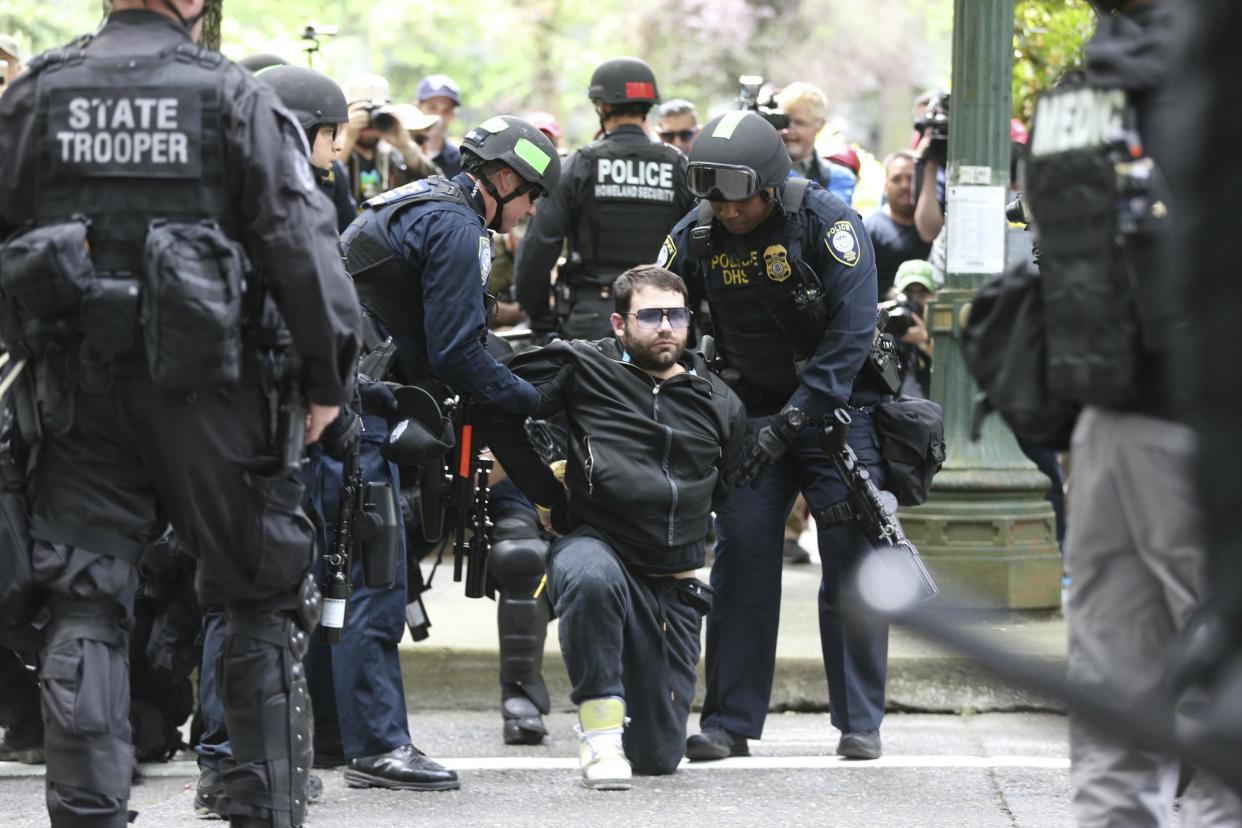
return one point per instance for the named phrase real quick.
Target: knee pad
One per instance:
(518, 554)
(84, 688)
(267, 710)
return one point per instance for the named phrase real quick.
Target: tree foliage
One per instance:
(1048, 36)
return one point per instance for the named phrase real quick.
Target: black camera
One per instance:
(1018, 211)
(380, 115)
(936, 119)
(748, 98)
(900, 315)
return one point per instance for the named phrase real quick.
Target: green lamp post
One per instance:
(987, 532)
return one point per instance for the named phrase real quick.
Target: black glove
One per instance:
(339, 438)
(767, 440)
(377, 399)
(551, 392)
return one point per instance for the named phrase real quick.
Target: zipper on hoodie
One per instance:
(668, 448)
(590, 465)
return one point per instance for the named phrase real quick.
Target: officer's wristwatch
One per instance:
(795, 418)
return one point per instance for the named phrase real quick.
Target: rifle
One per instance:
(466, 510)
(876, 513)
(337, 559)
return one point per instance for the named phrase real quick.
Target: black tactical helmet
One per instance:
(735, 156)
(255, 63)
(624, 80)
(517, 144)
(313, 98)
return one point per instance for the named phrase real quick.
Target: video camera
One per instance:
(311, 35)
(748, 98)
(936, 118)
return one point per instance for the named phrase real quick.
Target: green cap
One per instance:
(915, 272)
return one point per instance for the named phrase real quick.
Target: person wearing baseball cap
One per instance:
(12, 57)
(438, 95)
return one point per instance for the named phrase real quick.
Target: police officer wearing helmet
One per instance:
(175, 181)
(789, 275)
(319, 105)
(617, 200)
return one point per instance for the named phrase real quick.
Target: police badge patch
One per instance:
(842, 243)
(485, 258)
(668, 252)
(776, 259)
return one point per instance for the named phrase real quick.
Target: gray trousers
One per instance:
(1137, 566)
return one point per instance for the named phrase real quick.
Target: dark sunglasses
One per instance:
(650, 318)
(720, 182)
(678, 135)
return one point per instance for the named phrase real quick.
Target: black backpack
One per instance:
(1004, 345)
(911, 431)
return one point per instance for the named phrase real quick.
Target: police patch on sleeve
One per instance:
(485, 257)
(776, 260)
(668, 252)
(842, 243)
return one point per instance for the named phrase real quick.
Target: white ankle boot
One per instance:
(600, 752)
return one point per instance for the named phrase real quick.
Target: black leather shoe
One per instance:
(715, 743)
(865, 744)
(794, 553)
(406, 769)
(523, 722)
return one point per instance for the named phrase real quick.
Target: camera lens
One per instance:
(382, 121)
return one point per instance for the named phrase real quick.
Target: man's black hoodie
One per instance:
(645, 456)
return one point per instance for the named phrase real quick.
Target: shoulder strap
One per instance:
(795, 191)
(701, 233)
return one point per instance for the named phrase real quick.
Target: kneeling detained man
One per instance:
(650, 429)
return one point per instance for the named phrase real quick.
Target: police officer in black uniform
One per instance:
(618, 198)
(141, 169)
(789, 275)
(319, 105)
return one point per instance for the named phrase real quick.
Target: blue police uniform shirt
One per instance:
(830, 238)
(447, 246)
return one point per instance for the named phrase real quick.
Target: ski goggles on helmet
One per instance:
(722, 182)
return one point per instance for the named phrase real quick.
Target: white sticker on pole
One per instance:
(976, 240)
(333, 613)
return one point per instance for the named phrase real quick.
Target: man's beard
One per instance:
(648, 358)
(368, 142)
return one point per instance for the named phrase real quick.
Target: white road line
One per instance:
(188, 769)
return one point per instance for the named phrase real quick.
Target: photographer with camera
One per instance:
(931, 147)
(378, 149)
(806, 110)
(913, 289)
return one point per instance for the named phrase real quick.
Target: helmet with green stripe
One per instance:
(518, 145)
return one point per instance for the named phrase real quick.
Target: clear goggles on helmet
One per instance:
(722, 182)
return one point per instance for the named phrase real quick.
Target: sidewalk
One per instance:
(457, 666)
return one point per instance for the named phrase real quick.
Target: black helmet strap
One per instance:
(500, 200)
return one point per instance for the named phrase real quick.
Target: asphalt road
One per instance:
(1001, 769)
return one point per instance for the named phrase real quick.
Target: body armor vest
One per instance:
(387, 286)
(127, 142)
(625, 210)
(1093, 240)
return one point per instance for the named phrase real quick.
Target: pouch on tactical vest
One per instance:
(193, 279)
(16, 578)
(45, 272)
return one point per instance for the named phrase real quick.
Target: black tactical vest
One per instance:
(128, 141)
(387, 286)
(628, 204)
(1090, 250)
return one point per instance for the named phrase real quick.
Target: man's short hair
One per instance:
(802, 95)
(676, 107)
(901, 153)
(644, 276)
